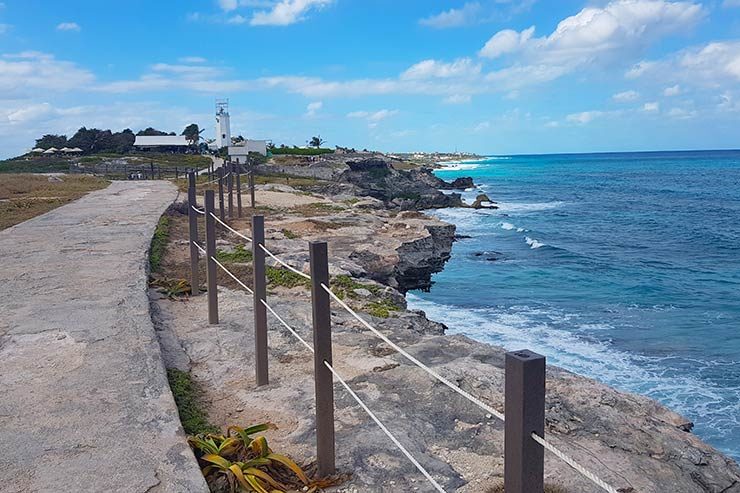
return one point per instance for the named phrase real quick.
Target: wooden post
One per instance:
(260, 294)
(230, 186)
(524, 459)
(193, 223)
(177, 174)
(210, 253)
(324, 383)
(159, 172)
(238, 190)
(151, 167)
(221, 211)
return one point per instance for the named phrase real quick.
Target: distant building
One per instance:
(162, 142)
(223, 124)
(240, 153)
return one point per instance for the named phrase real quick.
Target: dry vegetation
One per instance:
(24, 196)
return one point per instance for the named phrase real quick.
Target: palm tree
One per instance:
(316, 141)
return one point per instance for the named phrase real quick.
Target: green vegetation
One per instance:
(300, 151)
(174, 289)
(382, 308)
(248, 464)
(290, 234)
(239, 255)
(316, 141)
(187, 397)
(285, 278)
(344, 287)
(40, 164)
(24, 196)
(159, 244)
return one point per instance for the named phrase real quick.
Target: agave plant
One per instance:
(174, 289)
(248, 463)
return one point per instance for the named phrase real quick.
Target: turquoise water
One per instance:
(624, 267)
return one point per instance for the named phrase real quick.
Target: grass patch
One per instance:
(35, 165)
(290, 234)
(300, 151)
(239, 255)
(159, 244)
(25, 196)
(285, 278)
(187, 395)
(317, 209)
(344, 287)
(382, 308)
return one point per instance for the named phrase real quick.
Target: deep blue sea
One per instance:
(623, 267)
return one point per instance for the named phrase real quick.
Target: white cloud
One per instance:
(192, 59)
(681, 114)
(22, 74)
(228, 5)
(465, 15)
(672, 91)
(313, 108)
(584, 117)
(286, 12)
(626, 96)
(731, 3)
(372, 116)
(482, 126)
(595, 35)
(713, 65)
(457, 99)
(68, 26)
(427, 69)
(237, 19)
(4, 28)
(506, 41)
(651, 107)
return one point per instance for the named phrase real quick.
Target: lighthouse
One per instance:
(223, 125)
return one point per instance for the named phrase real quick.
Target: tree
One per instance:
(152, 131)
(192, 133)
(52, 140)
(316, 141)
(123, 142)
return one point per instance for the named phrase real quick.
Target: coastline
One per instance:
(638, 444)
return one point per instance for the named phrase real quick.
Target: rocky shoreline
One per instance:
(380, 247)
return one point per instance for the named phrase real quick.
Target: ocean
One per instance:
(624, 267)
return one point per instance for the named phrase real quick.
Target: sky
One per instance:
(483, 76)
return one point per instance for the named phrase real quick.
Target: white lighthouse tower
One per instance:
(223, 125)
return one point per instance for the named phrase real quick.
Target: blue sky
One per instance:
(488, 76)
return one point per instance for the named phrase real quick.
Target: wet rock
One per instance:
(483, 202)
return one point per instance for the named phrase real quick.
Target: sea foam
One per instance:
(533, 243)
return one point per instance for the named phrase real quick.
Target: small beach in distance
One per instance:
(623, 267)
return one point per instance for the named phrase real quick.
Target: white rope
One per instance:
(285, 324)
(229, 227)
(418, 363)
(385, 430)
(198, 210)
(232, 275)
(292, 269)
(572, 463)
(213, 181)
(202, 250)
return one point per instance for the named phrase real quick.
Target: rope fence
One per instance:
(524, 370)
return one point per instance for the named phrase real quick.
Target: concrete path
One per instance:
(84, 400)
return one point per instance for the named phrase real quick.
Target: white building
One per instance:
(160, 141)
(240, 153)
(223, 124)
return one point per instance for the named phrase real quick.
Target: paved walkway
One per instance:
(84, 400)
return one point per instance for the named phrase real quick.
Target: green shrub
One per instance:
(300, 151)
(382, 308)
(239, 255)
(285, 278)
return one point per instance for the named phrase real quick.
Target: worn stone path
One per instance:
(85, 404)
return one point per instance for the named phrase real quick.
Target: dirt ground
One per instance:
(23, 196)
